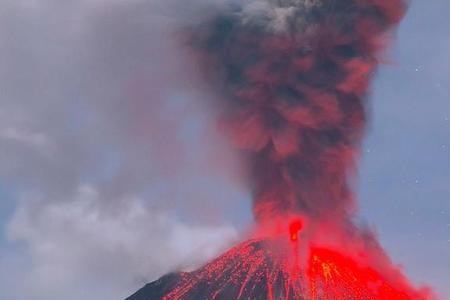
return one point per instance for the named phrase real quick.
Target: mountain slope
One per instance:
(273, 269)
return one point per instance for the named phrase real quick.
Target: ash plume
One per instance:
(294, 77)
(293, 81)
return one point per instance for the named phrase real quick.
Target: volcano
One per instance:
(292, 79)
(268, 269)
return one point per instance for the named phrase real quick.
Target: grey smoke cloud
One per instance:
(115, 164)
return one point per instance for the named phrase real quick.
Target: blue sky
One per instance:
(405, 175)
(89, 167)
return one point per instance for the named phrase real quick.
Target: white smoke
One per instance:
(118, 175)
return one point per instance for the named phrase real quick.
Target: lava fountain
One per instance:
(293, 78)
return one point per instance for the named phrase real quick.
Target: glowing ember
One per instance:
(294, 229)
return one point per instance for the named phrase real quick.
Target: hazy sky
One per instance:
(112, 172)
(405, 175)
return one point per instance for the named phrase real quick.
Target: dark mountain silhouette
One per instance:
(269, 269)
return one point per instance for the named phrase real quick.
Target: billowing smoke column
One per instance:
(294, 77)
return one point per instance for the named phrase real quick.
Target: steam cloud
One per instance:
(104, 180)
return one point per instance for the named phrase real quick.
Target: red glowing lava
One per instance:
(265, 269)
(294, 229)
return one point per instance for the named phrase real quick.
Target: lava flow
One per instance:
(293, 77)
(281, 264)
(257, 269)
